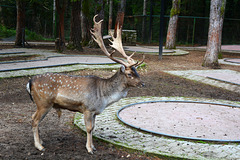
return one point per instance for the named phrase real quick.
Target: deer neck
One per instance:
(114, 88)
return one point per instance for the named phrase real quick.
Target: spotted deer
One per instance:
(89, 95)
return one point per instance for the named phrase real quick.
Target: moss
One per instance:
(85, 43)
(70, 46)
(214, 65)
(170, 47)
(223, 8)
(175, 10)
(220, 55)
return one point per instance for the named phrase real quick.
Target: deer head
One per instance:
(129, 66)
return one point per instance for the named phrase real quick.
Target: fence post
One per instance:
(194, 22)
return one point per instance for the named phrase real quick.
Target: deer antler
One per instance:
(97, 36)
(116, 44)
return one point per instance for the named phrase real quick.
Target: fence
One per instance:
(191, 30)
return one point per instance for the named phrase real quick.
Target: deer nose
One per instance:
(142, 84)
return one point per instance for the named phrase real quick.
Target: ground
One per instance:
(63, 140)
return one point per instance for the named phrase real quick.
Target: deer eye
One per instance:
(129, 75)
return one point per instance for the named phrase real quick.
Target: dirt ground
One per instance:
(63, 140)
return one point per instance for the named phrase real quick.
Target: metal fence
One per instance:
(191, 30)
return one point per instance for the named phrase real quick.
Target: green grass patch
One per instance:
(5, 32)
(33, 36)
(30, 36)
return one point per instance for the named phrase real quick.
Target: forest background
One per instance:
(192, 25)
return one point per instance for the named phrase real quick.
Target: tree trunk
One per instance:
(144, 21)
(60, 42)
(100, 11)
(85, 25)
(1, 16)
(206, 14)
(172, 26)
(110, 15)
(75, 35)
(214, 34)
(120, 15)
(221, 23)
(20, 29)
(152, 3)
(54, 19)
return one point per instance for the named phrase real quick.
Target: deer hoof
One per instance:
(93, 148)
(90, 150)
(39, 147)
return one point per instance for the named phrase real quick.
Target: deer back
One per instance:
(78, 93)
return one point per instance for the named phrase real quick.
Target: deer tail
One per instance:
(29, 87)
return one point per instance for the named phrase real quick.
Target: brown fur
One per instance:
(89, 95)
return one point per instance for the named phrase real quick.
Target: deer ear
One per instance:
(123, 68)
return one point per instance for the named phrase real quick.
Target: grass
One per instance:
(30, 36)
(5, 32)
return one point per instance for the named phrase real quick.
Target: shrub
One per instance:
(4, 32)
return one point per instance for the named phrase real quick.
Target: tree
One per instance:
(100, 11)
(20, 29)
(214, 34)
(1, 16)
(60, 42)
(152, 3)
(221, 24)
(85, 25)
(110, 15)
(172, 26)
(144, 20)
(75, 35)
(120, 15)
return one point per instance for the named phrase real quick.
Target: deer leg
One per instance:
(89, 119)
(37, 118)
(94, 116)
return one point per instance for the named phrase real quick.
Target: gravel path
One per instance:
(219, 80)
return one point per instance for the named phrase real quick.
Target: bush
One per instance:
(30, 36)
(4, 32)
(33, 36)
